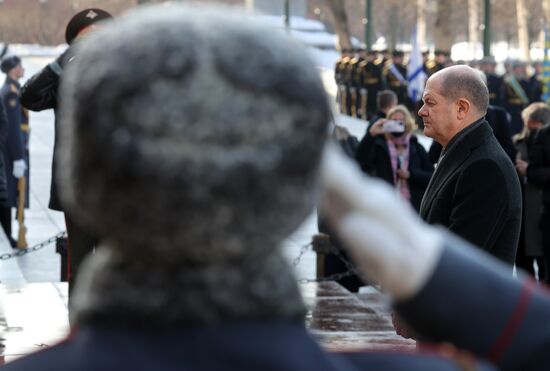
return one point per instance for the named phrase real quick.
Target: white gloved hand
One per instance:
(389, 242)
(19, 167)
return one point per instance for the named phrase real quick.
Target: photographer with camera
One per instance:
(393, 153)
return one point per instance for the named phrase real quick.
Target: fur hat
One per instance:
(82, 20)
(197, 150)
(9, 63)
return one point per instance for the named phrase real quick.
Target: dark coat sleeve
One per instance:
(16, 150)
(472, 301)
(500, 122)
(478, 205)
(365, 153)
(40, 91)
(538, 170)
(421, 175)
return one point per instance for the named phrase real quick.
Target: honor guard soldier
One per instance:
(515, 92)
(16, 155)
(342, 82)
(427, 63)
(494, 82)
(395, 77)
(535, 83)
(340, 76)
(440, 61)
(354, 83)
(371, 82)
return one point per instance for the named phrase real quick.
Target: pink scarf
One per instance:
(400, 161)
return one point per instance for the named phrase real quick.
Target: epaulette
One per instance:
(14, 89)
(430, 64)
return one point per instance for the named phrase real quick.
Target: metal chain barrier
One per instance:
(351, 270)
(39, 246)
(302, 252)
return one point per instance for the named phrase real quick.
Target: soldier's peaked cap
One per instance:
(82, 20)
(9, 63)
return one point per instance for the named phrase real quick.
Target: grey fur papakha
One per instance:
(193, 138)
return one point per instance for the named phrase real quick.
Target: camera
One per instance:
(393, 126)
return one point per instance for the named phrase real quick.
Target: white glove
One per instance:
(389, 242)
(19, 167)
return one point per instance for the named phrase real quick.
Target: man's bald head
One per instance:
(464, 82)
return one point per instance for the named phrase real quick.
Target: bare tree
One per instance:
(523, 34)
(340, 16)
(443, 34)
(546, 10)
(473, 26)
(421, 22)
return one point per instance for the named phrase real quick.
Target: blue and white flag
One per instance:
(415, 71)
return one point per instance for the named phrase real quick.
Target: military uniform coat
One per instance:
(514, 104)
(396, 80)
(3, 144)
(40, 93)
(15, 149)
(475, 193)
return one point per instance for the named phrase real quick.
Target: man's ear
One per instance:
(463, 107)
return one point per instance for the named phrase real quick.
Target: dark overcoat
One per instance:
(475, 193)
(3, 144)
(374, 159)
(538, 170)
(532, 204)
(39, 93)
(15, 148)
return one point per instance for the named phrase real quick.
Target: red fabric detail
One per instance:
(511, 328)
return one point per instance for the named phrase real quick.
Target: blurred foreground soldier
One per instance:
(190, 276)
(474, 191)
(440, 283)
(41, 93)
(16, 155)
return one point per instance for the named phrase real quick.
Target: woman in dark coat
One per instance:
(397, 157)
(530, 240)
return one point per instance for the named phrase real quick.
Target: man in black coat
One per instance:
(475, 191)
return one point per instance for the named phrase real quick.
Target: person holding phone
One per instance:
(393, 153)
